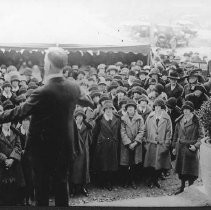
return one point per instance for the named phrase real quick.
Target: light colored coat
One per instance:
(158, 141)
(131, 131)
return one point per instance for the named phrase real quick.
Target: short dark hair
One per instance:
(58, 57)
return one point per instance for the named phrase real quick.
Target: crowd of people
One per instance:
(143, 118)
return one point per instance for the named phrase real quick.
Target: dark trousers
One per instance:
(43, 171)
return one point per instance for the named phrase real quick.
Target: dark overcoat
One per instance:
(80, 169)
(11, 148)
(106, 141)
(158, 141)
(176, 92)
(187, 162)
(51, 131)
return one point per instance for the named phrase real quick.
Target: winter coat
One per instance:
(11, 148)
(187, 162)
(158, 141)
(197, 101)
(80, 169)
(146, 113)
(105, 147)
(176, 92)
(174, 114)
(131, 131)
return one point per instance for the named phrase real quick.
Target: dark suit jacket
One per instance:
(176, 92)
(51, 131)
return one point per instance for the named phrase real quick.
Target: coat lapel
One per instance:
(4, 139)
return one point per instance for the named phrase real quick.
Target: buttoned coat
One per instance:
(158, 141)
(131, 131)
(105, 147)
(187, 162)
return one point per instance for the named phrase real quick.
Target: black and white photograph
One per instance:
(105, 103)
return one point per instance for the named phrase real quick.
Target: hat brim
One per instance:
(175, 78)
(187, 107)
(129, 104)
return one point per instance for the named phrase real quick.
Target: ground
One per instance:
(97, 195)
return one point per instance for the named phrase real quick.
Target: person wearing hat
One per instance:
(155, 74)
(120, 93)
(143, 75)
(151, 85)
(95, 96)
(108, 80)
(173, 89)
(112, 89)
(122, 103)
(158, 134)
(198, 97)
(51, 141)
(159, 92)
(143, 108)
(112, 70)
(27, 73)
(1, 82)
(186, 142)
(132, 132)
(10, 165)
(106, 138)
(136, 92)
(79, 174)
(102, 86)
(131, 77)
(7, 92)
(81, 75)
(124, 72)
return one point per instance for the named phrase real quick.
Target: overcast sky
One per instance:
(61, 15)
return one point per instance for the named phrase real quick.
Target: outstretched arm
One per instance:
(22, 111)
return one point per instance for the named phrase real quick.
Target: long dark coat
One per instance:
(187, 162)
(131, 131)
(106, 140)
(80, 169)
(176, 92)
(11, 148)
(51, 127)
(158, 141)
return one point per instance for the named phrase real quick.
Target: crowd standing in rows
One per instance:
(143, 118)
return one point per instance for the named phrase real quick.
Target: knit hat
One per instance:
(159, 102)
(130, 102)
(79, 111)
(6, 84)
(7, 105)
(108, 104)
(188, 105)
(171, 102)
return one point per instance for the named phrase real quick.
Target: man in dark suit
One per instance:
(51, 143)
(173, 89)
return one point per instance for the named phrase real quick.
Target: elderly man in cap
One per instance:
(51, 140)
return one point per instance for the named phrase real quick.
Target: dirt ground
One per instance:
(168, 187)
